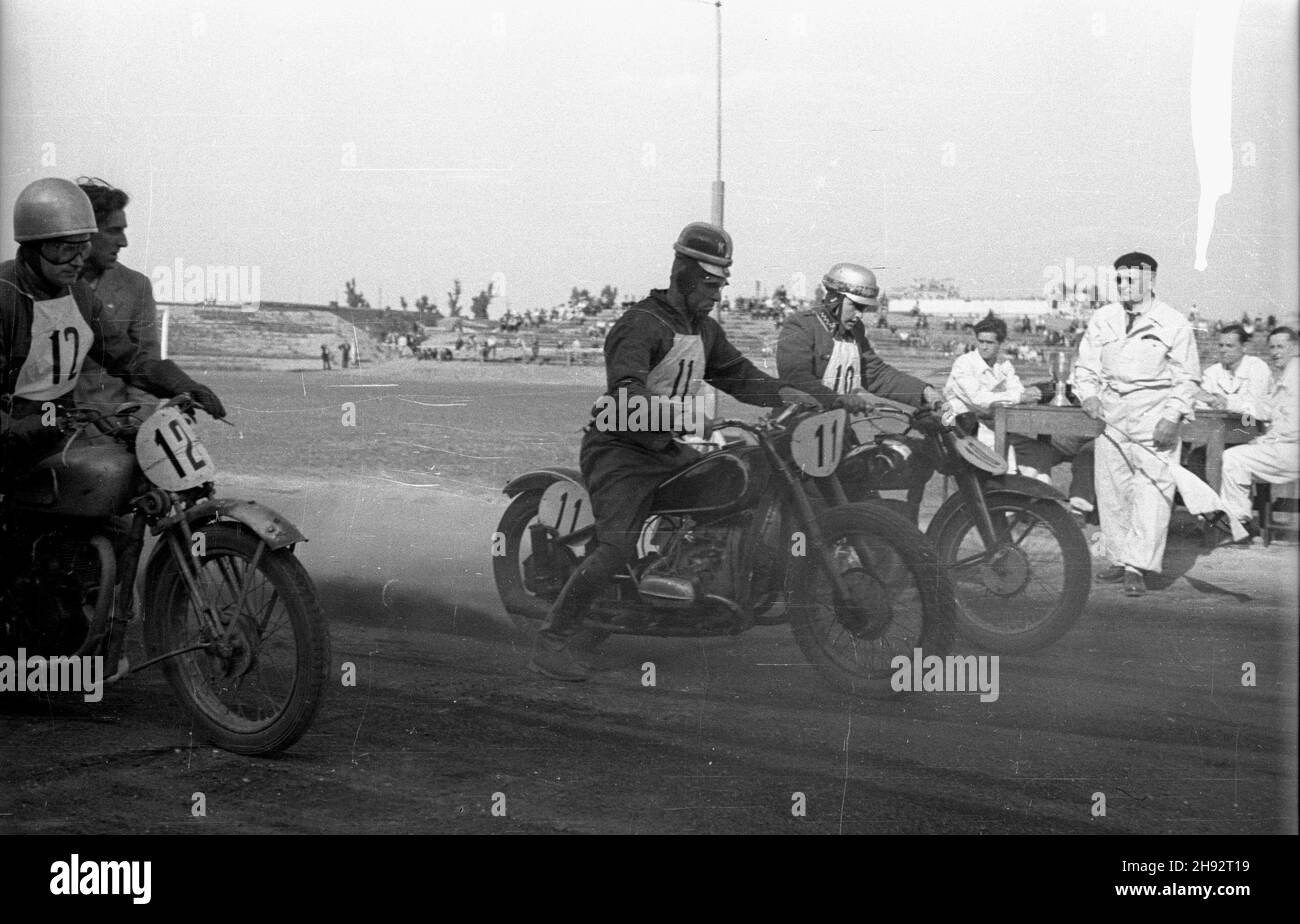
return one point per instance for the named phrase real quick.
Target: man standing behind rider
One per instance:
(50, 321)
(128, 301)
(825, 352)
(663, 347)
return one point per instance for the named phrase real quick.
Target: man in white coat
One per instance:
(981, 380)
(1275, 456)
(1137, 372)
(1238, 382)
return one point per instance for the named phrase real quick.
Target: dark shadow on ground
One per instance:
(1186, 545)
(368, 603)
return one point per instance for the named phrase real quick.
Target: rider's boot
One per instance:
(560, 653)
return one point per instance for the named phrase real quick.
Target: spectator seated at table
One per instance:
(1237, 383)
(980, 381)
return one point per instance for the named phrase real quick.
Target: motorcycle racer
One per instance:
(50, 322)
(824, 351)
(662, 348)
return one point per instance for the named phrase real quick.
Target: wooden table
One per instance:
(1216, 429)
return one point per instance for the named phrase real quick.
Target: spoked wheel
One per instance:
(1032, 588)
(526, 585)
(526, 595)
(257, 690)
(897, 599)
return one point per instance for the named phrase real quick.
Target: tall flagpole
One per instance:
(718, 187)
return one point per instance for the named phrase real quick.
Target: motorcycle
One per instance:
(757, 522)
(228, 611)
(1018, 559)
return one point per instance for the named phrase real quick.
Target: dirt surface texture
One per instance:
(1178, 707)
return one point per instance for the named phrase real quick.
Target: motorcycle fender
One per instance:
(1019, 484)
(540, 479)
(1003, 484)
(262, 521)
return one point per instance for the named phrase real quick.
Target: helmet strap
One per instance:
(29, 253)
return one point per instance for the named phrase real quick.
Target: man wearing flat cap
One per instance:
(1137, 372)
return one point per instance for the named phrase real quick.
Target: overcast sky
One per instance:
(565, 143)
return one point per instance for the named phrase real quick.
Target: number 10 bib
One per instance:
(842, 371)
(61, 338)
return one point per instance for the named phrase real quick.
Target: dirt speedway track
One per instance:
(1141, 702)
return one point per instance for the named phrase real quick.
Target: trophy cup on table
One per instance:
(1062, 363)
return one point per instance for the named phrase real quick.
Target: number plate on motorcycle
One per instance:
(170, 454)
(818, 441)
(565, 508)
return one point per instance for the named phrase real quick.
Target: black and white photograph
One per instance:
(676, 417)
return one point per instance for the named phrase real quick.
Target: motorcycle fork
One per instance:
(972, 491)
(212, 626)
(794, 490)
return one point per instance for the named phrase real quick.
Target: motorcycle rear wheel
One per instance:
(1033, 598)
(527, 610)
(524, 607)
(263, 696)
(897, 589)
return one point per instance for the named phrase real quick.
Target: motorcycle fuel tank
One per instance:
(93, 480)
(718, 482)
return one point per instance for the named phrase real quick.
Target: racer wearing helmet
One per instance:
(824, 351)
(50, 322)
(663, 347)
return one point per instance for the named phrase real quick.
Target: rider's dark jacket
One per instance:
(112, 348)
(643, 337)
(804, 349)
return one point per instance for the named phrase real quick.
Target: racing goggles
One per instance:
(61, 252)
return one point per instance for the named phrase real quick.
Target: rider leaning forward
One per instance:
(663, 347)
(825, 352)
(50, 322)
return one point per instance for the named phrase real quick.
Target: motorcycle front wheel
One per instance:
(258, 692)
(898, 598)
(1032, 589)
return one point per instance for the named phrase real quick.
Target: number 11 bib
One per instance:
(681, 372)
(61, 338)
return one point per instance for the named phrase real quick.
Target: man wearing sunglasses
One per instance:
(50, 322)
(128, 301)
(1137, 372)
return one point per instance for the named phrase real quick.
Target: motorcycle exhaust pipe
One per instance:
(104, 599)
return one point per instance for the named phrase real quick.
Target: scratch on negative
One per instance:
(845, 791)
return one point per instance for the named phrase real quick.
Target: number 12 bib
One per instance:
(61, 338)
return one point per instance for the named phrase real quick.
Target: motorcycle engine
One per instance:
(47, 590)
(705, 555)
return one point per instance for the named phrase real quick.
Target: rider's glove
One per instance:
(207, 399)
(31, 431)
(854, 403)
(933, 399)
